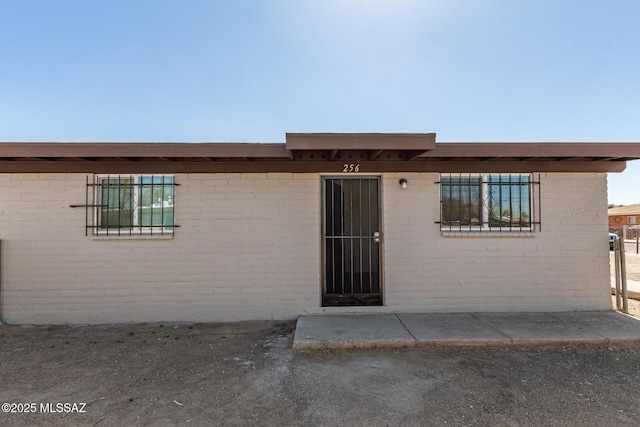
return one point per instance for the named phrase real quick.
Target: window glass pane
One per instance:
(509, 201)
(478, 202)
(117, 203)
(461, 201)
(155, 201)
(141, 204)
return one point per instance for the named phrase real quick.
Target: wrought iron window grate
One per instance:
(129, 205)
(489, 202)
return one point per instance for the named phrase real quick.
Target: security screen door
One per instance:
(351, 238)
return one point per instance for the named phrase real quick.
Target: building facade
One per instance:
(326, 223)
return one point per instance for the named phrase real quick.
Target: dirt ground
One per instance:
(246, 374)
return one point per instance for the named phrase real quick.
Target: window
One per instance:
(487, 202)
(134, 204)
(632, 220)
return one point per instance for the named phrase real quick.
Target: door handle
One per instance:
(376, 237)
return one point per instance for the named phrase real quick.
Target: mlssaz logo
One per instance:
(63, 407)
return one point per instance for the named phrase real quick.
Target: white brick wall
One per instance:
(563, 267)
(248, 248)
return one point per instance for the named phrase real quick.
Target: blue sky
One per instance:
(250, 71)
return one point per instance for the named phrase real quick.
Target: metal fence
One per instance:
(622, 299)
(630, 234)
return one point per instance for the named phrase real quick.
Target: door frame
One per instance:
(323, 257)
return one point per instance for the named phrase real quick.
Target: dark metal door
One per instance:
(351, 239)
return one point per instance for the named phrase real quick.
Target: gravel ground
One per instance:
(246, 374)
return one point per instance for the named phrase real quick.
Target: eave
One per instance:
(317, 153)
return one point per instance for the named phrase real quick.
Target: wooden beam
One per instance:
(304, 166)
(374, 154)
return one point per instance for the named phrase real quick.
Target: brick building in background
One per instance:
(324, 223)
(624, 220)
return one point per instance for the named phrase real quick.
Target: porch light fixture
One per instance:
(403, 183)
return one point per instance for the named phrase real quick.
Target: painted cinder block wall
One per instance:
(248, 247)
(564, 267)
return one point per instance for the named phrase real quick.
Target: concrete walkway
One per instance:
(317, 332)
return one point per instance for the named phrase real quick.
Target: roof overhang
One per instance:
(330, 146)
(318, 152)
(625, 210)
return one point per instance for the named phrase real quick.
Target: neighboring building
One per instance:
(324, 223)
(623, 219)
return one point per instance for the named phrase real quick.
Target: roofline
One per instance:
(361, 141)
(319, 152)
(134, 167)
(224, 149)
(625, 210)
(140, 149)
(538, 149)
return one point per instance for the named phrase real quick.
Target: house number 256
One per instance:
(351, 167)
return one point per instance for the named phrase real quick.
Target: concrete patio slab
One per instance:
(538, 328)
(459, 329)
(317, 332)
(613, 326)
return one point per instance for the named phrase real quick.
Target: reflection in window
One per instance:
(142, 204)
(509, 201)
(461, 201)
(486, 202)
